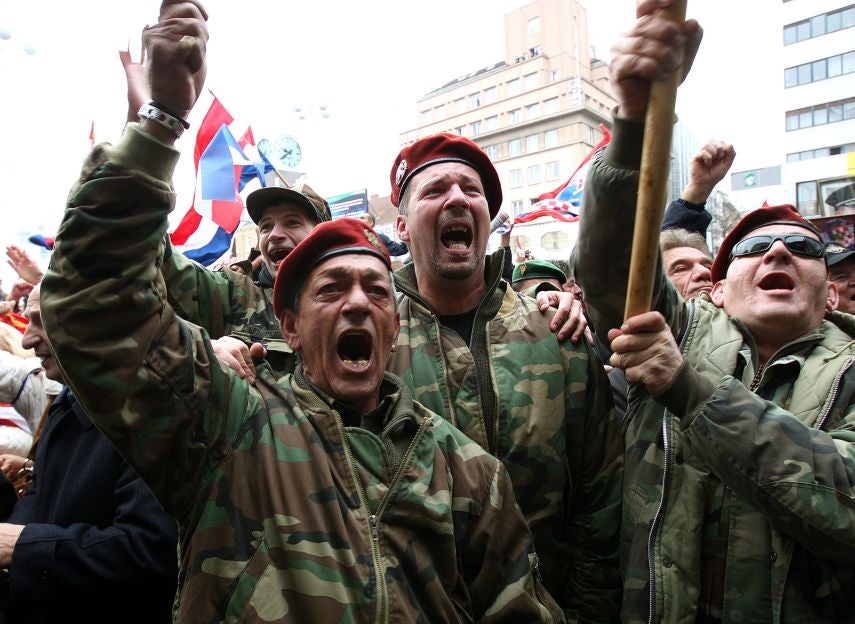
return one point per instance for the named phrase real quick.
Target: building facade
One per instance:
(538, 112)
(816, 172)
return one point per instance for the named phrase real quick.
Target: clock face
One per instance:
(287, 151)
(265, 148)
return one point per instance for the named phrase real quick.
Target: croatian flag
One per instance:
(222, 171)
(552, 208)
(572, 190)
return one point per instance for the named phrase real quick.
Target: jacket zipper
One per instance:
(374, 516)
(666, 482)
(834, 390)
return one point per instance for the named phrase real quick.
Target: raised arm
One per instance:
(651, 50)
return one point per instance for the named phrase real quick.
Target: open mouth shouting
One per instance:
(456, 237)
(777, 282)
(354, 349)
(277, 254)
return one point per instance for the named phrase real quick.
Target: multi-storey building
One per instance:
(816, 172)
(538, 112)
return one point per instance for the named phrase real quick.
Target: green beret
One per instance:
(537, 269)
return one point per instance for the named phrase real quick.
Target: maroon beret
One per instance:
(328, 239)
(440, 148)
(784, 214)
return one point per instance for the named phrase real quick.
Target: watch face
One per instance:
(265, 148)
(287, 151)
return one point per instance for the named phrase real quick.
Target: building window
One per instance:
(550, 138)
(821, 152)
(531, 82)
(558, 240)
(532, 111)
(821, 114)
(820, 70)
(553, 170)
(516, 178)
(516, 207)
(460, 105)
(819, 25)
(490, 95)
(554, 75)
(534, 174)
(439, 112)
(513, 116)
(460, 130)
(551, 105)
(806, 198)
(491, 123)
(475, 128)
(512, 87)
(426, 116)
(532, 143)
(474, 100)
(514, 147)
(533, 25)
(492, 151)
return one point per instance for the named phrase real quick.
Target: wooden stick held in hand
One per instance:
(652, 185)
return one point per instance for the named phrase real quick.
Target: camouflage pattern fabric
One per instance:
(738, 495)
(544, 408)
(224, 303)
(285, 513)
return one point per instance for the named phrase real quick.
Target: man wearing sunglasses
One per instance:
(739, 503)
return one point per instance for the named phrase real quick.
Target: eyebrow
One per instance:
(341, 271)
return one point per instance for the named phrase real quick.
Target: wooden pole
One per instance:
(652, 184)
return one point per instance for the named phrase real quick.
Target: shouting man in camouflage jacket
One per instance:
(740, 463)
(326, 496)
(484, 357)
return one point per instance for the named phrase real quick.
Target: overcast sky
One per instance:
(367, 62)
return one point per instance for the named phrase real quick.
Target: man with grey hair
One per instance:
(687, 261)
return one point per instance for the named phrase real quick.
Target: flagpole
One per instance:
(652, 184)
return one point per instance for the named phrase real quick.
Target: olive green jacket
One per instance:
(769, 449)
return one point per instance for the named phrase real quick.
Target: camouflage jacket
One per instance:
(770, 450)
(544, 408)
(224, 303)
(285, 514)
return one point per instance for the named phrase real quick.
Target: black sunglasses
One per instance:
(796, 243)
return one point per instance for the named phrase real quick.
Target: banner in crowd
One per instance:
(225, 167)
(348, 204)
(572, 190)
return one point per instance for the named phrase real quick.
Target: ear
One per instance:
(401, 226)
(717, 293)
(833, 299)
(288, 324)
(397, 331)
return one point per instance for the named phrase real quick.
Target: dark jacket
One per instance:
(97, 547)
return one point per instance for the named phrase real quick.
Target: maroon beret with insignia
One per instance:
(440, 148)
(328, 239)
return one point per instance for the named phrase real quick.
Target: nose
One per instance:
(30, 339)
(778, 250)
(456, 197)
(701, 273)
(356, 303)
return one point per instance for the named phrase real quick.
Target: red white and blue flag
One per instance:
(570, 193)
(223, 170)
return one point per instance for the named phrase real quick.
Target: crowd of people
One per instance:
(308, 435)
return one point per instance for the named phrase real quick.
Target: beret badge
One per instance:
(402, 171)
